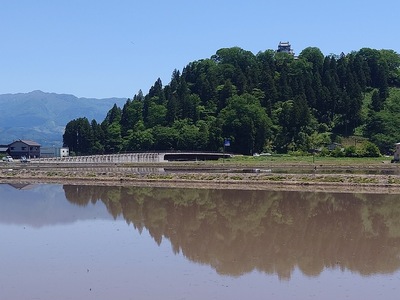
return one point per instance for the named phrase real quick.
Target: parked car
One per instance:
(24, 159)
(8, 158)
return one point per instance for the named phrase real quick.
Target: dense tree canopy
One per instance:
(265, 102)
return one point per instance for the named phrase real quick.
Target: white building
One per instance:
(54, 151)
(397, 153)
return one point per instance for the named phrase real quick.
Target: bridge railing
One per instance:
(142, 157)
(107, 158)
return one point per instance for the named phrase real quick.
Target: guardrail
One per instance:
(145, 157)
(107, 158)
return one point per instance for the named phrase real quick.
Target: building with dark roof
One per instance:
(20, 148)
(285, 47)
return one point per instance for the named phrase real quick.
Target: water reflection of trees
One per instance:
(238, 231)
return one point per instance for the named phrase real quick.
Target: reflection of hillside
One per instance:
(239, 231)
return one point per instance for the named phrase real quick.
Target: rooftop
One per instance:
(285, 47)
(28, 142)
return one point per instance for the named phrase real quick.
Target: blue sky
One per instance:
(99, 48)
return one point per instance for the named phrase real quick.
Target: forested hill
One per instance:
(271, 101)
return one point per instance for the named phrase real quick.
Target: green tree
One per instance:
(246, 123)
(380, 127)
(78, 136)
(315, 57)
(369, 149)
(113, 115)
(157, 114)
(113, 140)
(126, 117)
(188, 137)
(98, 137)
(140, 138)
(157, 91)
(376, 103)
(391, 60)
(203, 136)
(165, 138)
(266, 61)
(295, 125)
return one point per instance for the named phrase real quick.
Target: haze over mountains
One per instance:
(42, 117)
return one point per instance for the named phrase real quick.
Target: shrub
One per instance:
(350, 151)
(324, 152)
(337, 152)
(369, 150)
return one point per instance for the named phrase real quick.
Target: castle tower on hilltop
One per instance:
(285, 47)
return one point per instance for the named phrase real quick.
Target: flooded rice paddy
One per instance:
(104, 242)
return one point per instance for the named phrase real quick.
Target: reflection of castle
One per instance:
(274, 232)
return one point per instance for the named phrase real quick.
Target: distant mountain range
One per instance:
(42, 117)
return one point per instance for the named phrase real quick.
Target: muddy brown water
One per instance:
(104, 242)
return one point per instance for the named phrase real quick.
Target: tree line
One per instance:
(271, 101)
